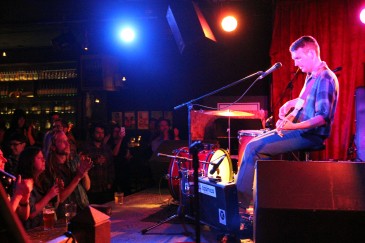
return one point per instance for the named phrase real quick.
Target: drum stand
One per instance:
(179, 214)
(194, 150)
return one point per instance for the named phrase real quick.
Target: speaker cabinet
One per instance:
(90, 226)
(360, 123)
(218, 204)
(309, 201)
(188, 25)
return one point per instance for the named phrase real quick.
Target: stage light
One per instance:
(362, 16)
(127, 34)
(229, 23)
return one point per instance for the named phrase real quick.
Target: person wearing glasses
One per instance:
(17, 143)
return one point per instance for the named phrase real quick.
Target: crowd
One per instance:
(57, 169)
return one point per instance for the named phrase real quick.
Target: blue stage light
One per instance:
(127, 34)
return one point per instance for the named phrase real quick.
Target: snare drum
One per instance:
(245, 136)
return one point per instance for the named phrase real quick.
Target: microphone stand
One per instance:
(195, 147)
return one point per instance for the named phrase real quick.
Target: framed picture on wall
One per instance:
(156, 114)
(130, 120)
(142, 120)
(169, 116)
(117, 117)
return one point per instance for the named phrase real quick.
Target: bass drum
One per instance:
(224, 170)
(183, 162)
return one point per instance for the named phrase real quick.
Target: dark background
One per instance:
(159, 75)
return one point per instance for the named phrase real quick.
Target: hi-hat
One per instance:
(228, 113)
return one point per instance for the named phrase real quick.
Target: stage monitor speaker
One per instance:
(360, 123)
(218, 204)
(90, 226)
(309, 201)
(159, 165)
(188, 25)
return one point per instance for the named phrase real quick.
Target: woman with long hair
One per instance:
(32, 166)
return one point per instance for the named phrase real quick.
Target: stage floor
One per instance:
(145, 209)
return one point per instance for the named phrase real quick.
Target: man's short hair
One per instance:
(164, 119)
(95, 125)
(305, 42)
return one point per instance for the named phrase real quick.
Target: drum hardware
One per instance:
(180, 210)
(229, 114)
(180, 158)
(189, 104)
(195, 147)
(216, 165)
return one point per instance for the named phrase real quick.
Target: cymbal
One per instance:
(228, 113)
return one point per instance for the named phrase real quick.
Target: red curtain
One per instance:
(341, 36)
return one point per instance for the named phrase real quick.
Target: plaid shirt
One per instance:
(321, 100)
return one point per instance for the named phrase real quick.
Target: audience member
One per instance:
(72, 175)
(2, 133)
(19, 199)
(19, 124)
(47, 140)
(121, 155)
(32, 166)
(164, 133)
(102, 173)
(3, 161)
(17, 145)
(67, 129)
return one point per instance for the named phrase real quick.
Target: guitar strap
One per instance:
(302, 96)
(305, 91)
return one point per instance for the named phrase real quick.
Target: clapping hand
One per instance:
(122, 132)
(85, 165)
(60, 183)
(23, 188)
(54, 191)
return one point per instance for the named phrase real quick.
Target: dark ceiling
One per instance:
(34, 23)
(31, 25)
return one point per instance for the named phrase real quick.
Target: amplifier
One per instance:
(219, 205)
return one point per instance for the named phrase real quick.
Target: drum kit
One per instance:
(214, 163)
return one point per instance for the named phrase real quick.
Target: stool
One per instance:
(313, 149)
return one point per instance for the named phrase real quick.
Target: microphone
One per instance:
(216, 165)
(270, 70)
(337, 69)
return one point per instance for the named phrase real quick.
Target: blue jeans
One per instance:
(263, 147)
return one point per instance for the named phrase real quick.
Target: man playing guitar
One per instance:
(306, 126)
